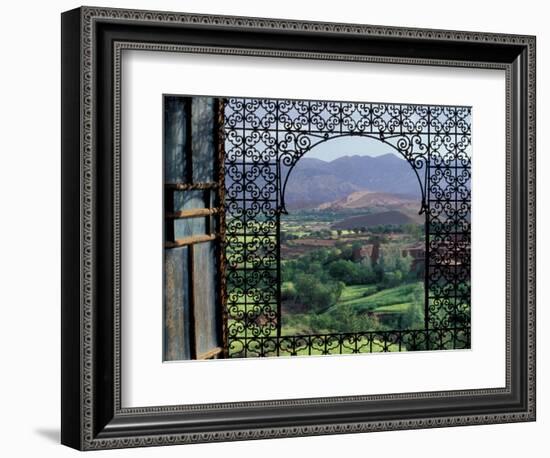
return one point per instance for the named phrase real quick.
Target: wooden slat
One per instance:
(191, 292)
(210, 353)
(192, 213)
(176, 305)
(190, 240)
(190, 186)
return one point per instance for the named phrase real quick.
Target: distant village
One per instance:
(448, 252)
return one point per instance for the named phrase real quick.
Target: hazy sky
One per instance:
(350, 146)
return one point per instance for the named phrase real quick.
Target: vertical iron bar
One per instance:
(219, 133)
(427, 238)
(245, 241)
(279, 278)
(278, 228)
(400, 336)
(455, 229)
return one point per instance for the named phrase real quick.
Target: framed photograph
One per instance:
(278, 228)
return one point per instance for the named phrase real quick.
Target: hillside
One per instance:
(370, 199)
(373, 219)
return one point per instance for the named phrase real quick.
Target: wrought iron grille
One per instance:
(263, 141)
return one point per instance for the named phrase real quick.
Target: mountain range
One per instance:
(314, 183)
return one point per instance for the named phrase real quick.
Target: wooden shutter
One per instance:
(192, 321)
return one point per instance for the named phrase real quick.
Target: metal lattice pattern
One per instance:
(264, 139)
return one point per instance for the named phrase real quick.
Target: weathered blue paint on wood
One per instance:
(188, 200)
(200, 142)
(189, 227)
(203, 138)
(204, 290)
(176, 304)
(175, 139)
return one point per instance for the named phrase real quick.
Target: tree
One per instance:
(416, 231)
(288, 291)
(392, 259)
(288, 270)
(345, 271)
(345, 319)
(398, 277)
(316, 295)
(367, 270)
(346, 251)
(413, 318)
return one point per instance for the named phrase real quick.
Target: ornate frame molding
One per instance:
(99, 429)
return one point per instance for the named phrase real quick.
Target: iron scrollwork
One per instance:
(265, 138)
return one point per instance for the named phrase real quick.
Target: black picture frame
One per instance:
(92, 416)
